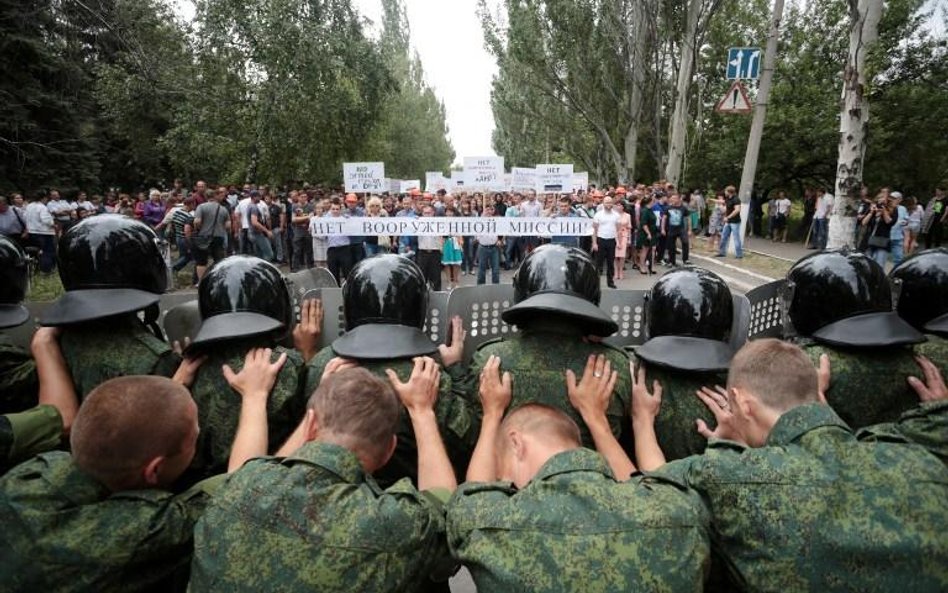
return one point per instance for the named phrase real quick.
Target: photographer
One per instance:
(878, 222)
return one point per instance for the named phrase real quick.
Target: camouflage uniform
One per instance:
(63, 531)
(537, 361)
(457, 419)
(675, 424)
(19, 383)
(936, 349)
(574, 528)
(816, 510)
(868, 385)
(316, 522)
(925, 425)
(219, 405)
(98, 351)
(25, 434)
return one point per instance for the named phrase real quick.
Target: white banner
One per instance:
(394, 186)
(409, 184)
(580, 181)
(442, 226)
(457, 181)
(484, 173)
(554, 179)
(364, 177)
(523, 179)
(435, 180)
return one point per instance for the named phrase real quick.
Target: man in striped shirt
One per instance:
(182, 222)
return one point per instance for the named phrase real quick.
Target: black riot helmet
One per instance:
(13, 283)
(109, 264)
(923, 300)
(562, 282)
(243, 296)
(843, 298)
(385, 302)
(689, 317)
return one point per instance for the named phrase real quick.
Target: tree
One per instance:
(864, 18)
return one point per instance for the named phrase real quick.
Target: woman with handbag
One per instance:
(878, 222)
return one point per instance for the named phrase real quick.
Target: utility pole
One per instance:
(760, 113)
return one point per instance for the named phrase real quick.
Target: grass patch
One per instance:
(762, 264)
(45, 287)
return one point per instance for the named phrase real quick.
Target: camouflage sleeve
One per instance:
(313, 370)
(470, 500)
(167, 364)
(925, 425)
(459, 379)
(19, 383)
(29, 433)
(427, 509)
(458, 419)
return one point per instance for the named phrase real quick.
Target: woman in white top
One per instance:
(320, 243)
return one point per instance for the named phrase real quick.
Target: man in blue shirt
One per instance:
(897, 234)
(565, 210)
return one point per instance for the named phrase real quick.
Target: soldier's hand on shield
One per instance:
(307, 331)
(420, 393)
(256, 378)
(335, 365)
(496, 390)
(454, 353)
(592, 394)
(645, 405)
(188, 369)
(933, 388)
(717, 401)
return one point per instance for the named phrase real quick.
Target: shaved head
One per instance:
(126, 422)
(544, 423)
(777, 373)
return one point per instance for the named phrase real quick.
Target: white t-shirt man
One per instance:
(824, 207)
(783, 206)
(606, 222)
(243, 211)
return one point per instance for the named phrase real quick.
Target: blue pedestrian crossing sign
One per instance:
(743, 63)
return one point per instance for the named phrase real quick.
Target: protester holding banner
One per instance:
(452, 254)
(488, 252)
(605, 230)
(429, 254)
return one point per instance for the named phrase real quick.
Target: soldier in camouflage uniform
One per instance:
(316, 520)
(18, 381)
(40, 428)
(244, 303)
(111, 268)
(923, 301)
(385, 302)
(841, 306)
(689, 318)
(539, 513)
(797, 502)
(556, 294)
(101, 519)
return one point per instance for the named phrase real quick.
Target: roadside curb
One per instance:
(744, 271)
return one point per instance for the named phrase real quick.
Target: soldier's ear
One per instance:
(152, 471)
(517, 444)
(310, 425)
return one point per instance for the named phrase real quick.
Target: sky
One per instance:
(447, 36)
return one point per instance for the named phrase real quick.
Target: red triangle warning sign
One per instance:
(735, 101)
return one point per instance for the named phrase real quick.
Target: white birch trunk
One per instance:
(637, 92)
(853, 121)
(679, 128)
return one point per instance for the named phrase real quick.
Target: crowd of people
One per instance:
(636, 228)
(250, 458)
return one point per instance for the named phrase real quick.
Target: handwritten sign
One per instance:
(554, 179)
(523, 179)
(364, 177)
(484, 173)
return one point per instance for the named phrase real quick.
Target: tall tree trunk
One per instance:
(636, 95)
(853, 121)
(679, 130)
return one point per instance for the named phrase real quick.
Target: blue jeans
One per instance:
(483, 253)
(373, 249)
(470, 255)
(47, 246)
(277, 243)
(184, 253)
(731, 228)
(514, 246)
(898, 251)
(261, 246)
(879, 254)
(820, 232)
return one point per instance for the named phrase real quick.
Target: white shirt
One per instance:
(39, 221)
(243, 208)
(824, 206)
(429, 243)
(531, 208)
(606, 223)
(783, 206)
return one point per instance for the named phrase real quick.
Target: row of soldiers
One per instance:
(248, 459)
